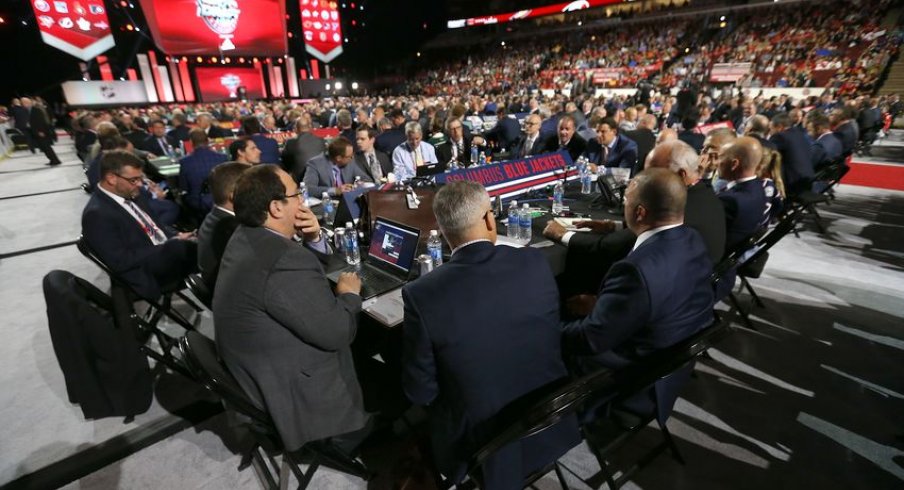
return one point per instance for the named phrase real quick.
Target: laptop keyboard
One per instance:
(372, 280)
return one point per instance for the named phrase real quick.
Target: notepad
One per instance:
(568, 223)
(388, 309)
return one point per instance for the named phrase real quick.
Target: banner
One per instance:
(704, 129)
(558, 8)
(76, 27)
(222, 83)
(513, 177)
(321, 28)
(602, 76)
(234, 27)
(729, 72)
(99, 93)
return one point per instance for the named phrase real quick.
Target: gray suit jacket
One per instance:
(319, 176)
(298, 151)
(286, 337)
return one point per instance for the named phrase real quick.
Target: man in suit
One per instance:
(301, 149)
(827, 148)
(375, 163)
(244, 150)
(411, 154)
(219, 224)
(659, 295)
(390, 139)
(845, 128)
(331, 172)
(612, 149)
(180, 131)
(505, 132)
(21, 119)
(567, 138)
(251, 127)
(206, 122)
(644, 138)
(280, 329)
(744, 199)
(458, 146)
(743, 116)
(124, 232)
(194, 170)
(797, 154)
(870, 122)
(41, 130)
(344, 124)
(451, 357)
(531, 142)
(158, 142)
(687, 133)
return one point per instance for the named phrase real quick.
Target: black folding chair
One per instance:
(156, 309)
(605, 437)
(199, 289)
(200, 356)
(19, 139)
(829, 176)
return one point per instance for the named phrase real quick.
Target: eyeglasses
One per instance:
(297, 193)
(528, 123)
(131, 180)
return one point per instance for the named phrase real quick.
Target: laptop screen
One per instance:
(393, 244)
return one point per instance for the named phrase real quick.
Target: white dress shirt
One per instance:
(649, 234)
(155, 234)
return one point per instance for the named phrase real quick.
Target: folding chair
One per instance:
(604, 438)
(199, 289)
(829, 177)
(200, 356)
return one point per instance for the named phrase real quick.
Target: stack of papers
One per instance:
(568, 223)
(388, 309)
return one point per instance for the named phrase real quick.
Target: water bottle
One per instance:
(474, 155)
(453, 165)
(358, 181)
(329, 209)
(513, 225)
(435, 248)
(303, 189)
(558, 198)
(586, 182)
(352, 254)
(524, 220)
(482, 159)
(339, 239)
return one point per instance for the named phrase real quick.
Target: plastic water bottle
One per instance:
(435, 248)
(558, 198)
(352, 254)
(482, 159)
(513, 225)
(329, 210)
(453, 165)
(305, 198)
(358, 181)
(586, 182)
(524, 220)
(474, 155)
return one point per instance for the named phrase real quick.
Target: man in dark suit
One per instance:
(206, 122)
(269, 148)
(827, 148)
(41, 130)
(869, 121)
(610, 148)
(331, 172)
(180, 131)
(299, 150)
(452, 360)
(531, 142)
(389, 139)
(279, 328)
(505, 132)
(458, 146)
(375, 163)
(687, 133)
(344, 124)
(845, 128)
(158, 142)
(645, 140)
(194, 170)
(744, 199)
(567, 138)
(120, 227)
(244, 150)
(659, 295)
(219, 224)
(797, 154)
(21, 119)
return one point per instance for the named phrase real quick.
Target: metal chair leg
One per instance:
(756, 297)
(743, 314)
(671, 442)
(561, 476)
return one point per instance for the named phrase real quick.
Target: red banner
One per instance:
(246, 27)
(321, 28)
(704, 129)
(216, 83)
(76, 27)
(557, 8)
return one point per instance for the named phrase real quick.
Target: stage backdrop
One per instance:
(222, 83)
(234, 27)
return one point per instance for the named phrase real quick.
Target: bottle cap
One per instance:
(434, 233)
(349, 224)
(525, 206)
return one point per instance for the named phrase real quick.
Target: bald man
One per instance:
(659, 295)
(709, 157)
(744, 199)
(531, 142)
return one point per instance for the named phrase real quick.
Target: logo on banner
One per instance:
(66, 23)
(221, 17)
(76, 27)
(42, 5)
(96, 9)
(46, 21)
(61, 7)
(231, 82)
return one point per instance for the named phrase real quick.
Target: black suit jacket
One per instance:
(539, 146)
(382, 159)
(387, 141)
(179, 133)
(213, 235)
(645, 140)
(444, 152)
(746, 211)
(40, 123)
(797, 159)
(575, 147)
(468, 358)
(215, 131)
(695, 140)
(505, 132)
(152, 145)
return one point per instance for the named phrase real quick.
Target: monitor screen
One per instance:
(393, 244)
(222, 83)
(231, 27)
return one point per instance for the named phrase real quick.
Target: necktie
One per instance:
(163, 146)
(460, 149)
(528, 145)
(374, 167)
(147, 224)
(418, 158)
(337, 176)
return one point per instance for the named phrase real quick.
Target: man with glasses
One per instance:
(611, 149)
(280, 329)
(458, 146)
(413, 153)
(331, 172)
(125, 232)
(531, 142)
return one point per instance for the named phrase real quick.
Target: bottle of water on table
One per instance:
(558, 198)
(352, 254)
(303, 188)
(474, 156)
(525, 222)
(435, 248)
(586, 182)
(329, 210)
(513, 225)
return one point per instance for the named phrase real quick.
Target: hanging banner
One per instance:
(513, 177)
(321, 28)
(76, 27)
(557, 8)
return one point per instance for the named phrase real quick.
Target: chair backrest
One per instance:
(199, 354)
(199, 288)
(783, 227)
(88, 252)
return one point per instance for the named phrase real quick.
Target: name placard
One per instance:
(513, 177)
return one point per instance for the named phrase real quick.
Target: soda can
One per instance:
(339, 239)
(426, 262)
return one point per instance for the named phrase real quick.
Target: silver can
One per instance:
(339, 239)
(426, 262)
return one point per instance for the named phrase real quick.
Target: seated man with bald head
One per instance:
(659, 295)
(746, 210)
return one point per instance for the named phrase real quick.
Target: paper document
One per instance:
(508, 241)
(568, 223)
(387, 309)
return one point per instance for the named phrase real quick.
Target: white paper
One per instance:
(388, 309)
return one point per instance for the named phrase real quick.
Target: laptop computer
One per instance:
(393, 247)
(429, 169)
(348, 209)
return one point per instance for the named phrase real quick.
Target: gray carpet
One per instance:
(813, 398)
